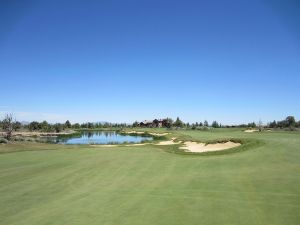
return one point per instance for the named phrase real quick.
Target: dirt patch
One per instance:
(202, 147)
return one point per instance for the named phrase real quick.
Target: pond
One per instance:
(100, 137)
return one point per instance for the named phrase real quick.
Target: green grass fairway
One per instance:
(63, 184)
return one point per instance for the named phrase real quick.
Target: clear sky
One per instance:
(126, 60)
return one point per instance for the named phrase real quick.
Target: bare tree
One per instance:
(260, 125)
(8, 125)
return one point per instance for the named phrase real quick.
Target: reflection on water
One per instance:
(100, 137)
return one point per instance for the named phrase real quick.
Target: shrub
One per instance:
(18, 139)
(3, 141)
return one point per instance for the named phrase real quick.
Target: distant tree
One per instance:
(215, 124)
(252, 125)
(58, 127)
(44, 126)
(201, 124)
(206, 123)
(34, 126)
(178, 123)
(8, 125)
(168, 122)
(290, 121)
(260, 125)
(273, 124)
(76, 126)
(68, 124)
(135, 124)
(17, 125)
(90, 125)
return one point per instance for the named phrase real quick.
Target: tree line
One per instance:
(10, 124)
(288, 122)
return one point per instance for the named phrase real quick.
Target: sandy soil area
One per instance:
(202, 147)
(159, 134)
(171, 142)
(103, 146)
(251, 131)
(134, 132)
(132, 145)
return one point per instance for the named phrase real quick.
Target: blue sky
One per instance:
(121, 61)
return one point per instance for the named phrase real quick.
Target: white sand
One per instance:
(251, 131)
(135, 132)
(171, 142)
(202, 147)
(132, 145)
(103, 146)
(159, 134)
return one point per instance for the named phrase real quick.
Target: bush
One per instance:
(3, 141)
(30, 139)
(18, 139)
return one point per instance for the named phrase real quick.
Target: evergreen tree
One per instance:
(206, 123)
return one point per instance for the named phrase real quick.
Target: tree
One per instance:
(178, 123)
(135, 124)
(91, 126)
(17, 125)
(58, 127)
(260, 125)
(168, 122)
(76, 125)
(7, 125)
(68, 124)
(252, 125)
(273, 124)
(44, 126)
(205, 123)
(290, 121)
(215, 124)
(34, 126)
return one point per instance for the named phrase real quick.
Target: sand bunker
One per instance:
(104, 146)
(132, 145)
(171, 142)
(159, 134)
(134, 132)
(202, 147)
(251, 131)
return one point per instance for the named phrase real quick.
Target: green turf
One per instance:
(58, 184)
